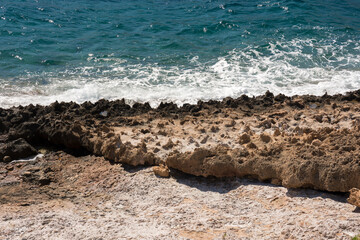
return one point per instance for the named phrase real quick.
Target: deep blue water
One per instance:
(178, 50)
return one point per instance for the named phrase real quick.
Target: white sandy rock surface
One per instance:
(104, 201)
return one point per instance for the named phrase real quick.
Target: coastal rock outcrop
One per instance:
(278, 139)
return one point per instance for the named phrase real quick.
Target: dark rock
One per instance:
(245, 138)
(252, 145)
(266, 123)
(7, 159)
(280, 98)
(26, 130)
(2, 127)
(296, 103)
(168, 145)
(167, 107)
(265, 137)
(204, 140)
(17, 149)
(214, 129)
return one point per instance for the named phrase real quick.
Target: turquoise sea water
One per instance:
(178, 50)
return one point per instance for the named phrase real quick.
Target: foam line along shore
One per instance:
(151, 52)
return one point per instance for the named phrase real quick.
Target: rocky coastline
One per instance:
(297, 142)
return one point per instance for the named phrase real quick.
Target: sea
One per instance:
(177, 51)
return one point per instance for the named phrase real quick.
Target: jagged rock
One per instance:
(325, 156)
(221, 162)
(247, 129)
(189, 162)
(44, 179)
(297, 103)
(27, 130)
(16, 149)
(354, 197)
(9, 167)
(348, 148)
(135, 156)
(110, 146)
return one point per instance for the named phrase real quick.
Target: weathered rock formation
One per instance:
(302, 141)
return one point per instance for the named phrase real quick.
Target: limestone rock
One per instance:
(134, 155)
(321, 154)
(110, 146)
(354, 197)
(189, 162)
(161, 171)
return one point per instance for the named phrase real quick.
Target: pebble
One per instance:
(7, 159)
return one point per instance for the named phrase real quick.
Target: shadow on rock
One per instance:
(309, 193)
(130, 168)
(206, 184)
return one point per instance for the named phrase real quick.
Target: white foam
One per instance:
(287, 67)
(29, 159)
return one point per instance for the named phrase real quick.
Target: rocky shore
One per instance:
(92, 151)
(297, 142)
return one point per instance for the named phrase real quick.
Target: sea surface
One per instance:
(176, 50)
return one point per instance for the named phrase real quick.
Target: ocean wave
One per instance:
(289, 67)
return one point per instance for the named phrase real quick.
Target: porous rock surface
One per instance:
(354, 197)
(299, 141)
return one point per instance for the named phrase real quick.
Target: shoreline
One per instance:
(298, 142)
(111, 171)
